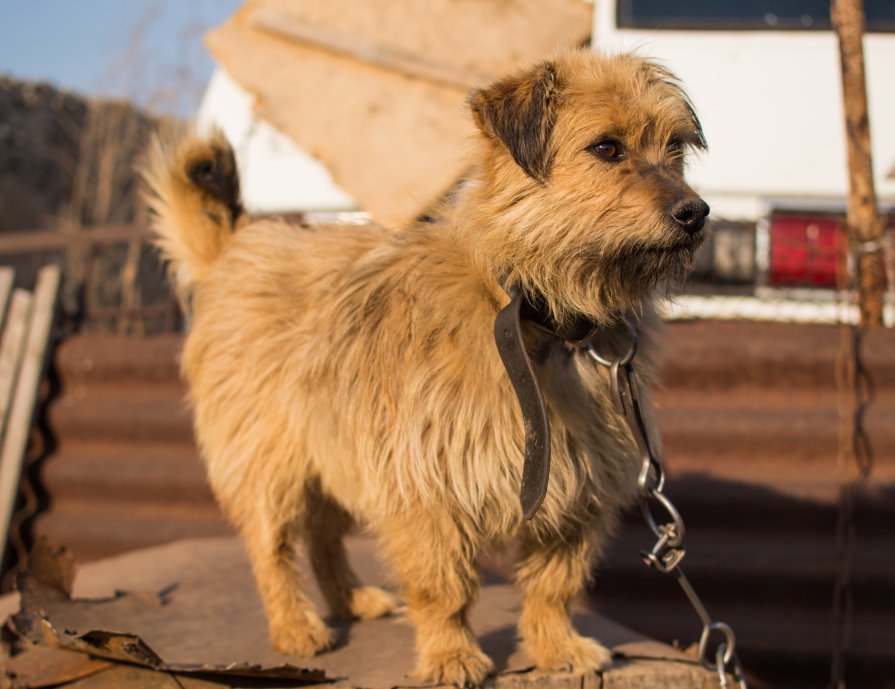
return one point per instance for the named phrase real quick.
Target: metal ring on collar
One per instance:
(625, 359)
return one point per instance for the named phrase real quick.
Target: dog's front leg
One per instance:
(549, 575)
(436, 565)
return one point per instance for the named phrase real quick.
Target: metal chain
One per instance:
(856, 389)
(856, 392)
(669, 550)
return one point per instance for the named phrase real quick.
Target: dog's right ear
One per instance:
(520, 112)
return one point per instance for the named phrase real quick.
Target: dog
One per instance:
(349, 375)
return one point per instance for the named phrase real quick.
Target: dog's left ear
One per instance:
(520, 112)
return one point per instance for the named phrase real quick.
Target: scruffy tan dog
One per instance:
(350, 374)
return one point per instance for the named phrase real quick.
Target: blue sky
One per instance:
(149, 51)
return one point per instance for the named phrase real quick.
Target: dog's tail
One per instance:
(192, 190)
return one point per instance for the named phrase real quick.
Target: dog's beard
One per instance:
(618, 268)
(604, 285)
(639, 271)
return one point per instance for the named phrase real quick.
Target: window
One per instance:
(759, 15)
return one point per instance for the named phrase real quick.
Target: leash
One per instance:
(669, 549)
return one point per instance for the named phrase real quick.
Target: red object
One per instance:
(805, 249)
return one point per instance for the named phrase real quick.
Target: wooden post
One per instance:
(865, 226)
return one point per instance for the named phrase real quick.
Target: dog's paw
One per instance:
(572, 654)
(462, 667)
(369, 602)
(306, 638)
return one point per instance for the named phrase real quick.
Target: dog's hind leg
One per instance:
(549, 575)
(325, 525)
(293, 623)
(436, 565)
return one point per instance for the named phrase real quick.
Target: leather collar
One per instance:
(511, 346)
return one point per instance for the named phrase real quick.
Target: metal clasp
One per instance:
(669, 550)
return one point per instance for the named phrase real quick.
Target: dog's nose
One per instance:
(690, 214)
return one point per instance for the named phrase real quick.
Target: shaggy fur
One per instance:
(350, 374)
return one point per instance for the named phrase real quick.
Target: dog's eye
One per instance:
(609, 150)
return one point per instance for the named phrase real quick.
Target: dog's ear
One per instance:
(520, 112)
(664, 75)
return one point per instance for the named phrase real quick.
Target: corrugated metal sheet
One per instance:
(749, 417)
(126, 473)
(750, 423)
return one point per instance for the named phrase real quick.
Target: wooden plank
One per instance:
(7, 277)
(12, 347)
(356, 47)
(21, 413)
(54, 240)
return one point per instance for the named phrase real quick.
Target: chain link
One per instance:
(669, 549)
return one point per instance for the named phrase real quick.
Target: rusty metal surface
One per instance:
(748, 414)
(749, 419)
(126, 473)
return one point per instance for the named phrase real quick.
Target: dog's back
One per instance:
(322, 353)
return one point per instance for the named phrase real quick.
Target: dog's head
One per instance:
(582, 181)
